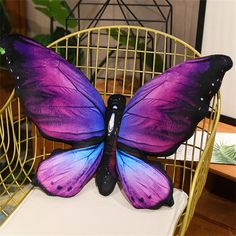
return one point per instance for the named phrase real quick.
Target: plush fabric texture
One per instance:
(59, 99)
(57, 96)
(167, 109)
(65, 173)
(144, 184)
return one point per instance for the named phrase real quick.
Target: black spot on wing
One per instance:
(141, 199)
(69, 188)
(59, 187)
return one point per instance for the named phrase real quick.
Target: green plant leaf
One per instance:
(114, 33)
(158, 67)
(44, 39)
(41, 2)
(224, 153)
(59, 13)
(59, 10)
(123, 37)
(45, 11)
(73, 22)
(2, 51)
(140, 46)
(59, 32)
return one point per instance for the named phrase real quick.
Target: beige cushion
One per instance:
(89, 213)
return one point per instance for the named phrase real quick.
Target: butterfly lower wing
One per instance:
(57, 96)
(166, 110)
(65, 173)
(144, 184)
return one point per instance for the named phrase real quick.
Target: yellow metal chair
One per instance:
(118, 59)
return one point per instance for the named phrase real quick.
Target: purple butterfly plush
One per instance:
(115, 141)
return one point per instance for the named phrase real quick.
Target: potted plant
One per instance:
(57, 11)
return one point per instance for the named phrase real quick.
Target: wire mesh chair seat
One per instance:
(117, 59)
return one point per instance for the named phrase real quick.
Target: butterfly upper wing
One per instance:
(165, 111)
(57, 96)
(145, 185)
(65, 173)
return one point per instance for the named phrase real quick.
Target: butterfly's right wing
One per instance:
(166, 110)
(144, 183)
(161, 115)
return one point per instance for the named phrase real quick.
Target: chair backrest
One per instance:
(117, 59)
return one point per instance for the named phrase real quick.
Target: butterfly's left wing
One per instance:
(161, 115)
(65, 107)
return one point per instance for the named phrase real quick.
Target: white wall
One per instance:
(220, 37)
(185, 13)
(185, 19)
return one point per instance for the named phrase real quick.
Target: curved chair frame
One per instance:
(117, 58)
